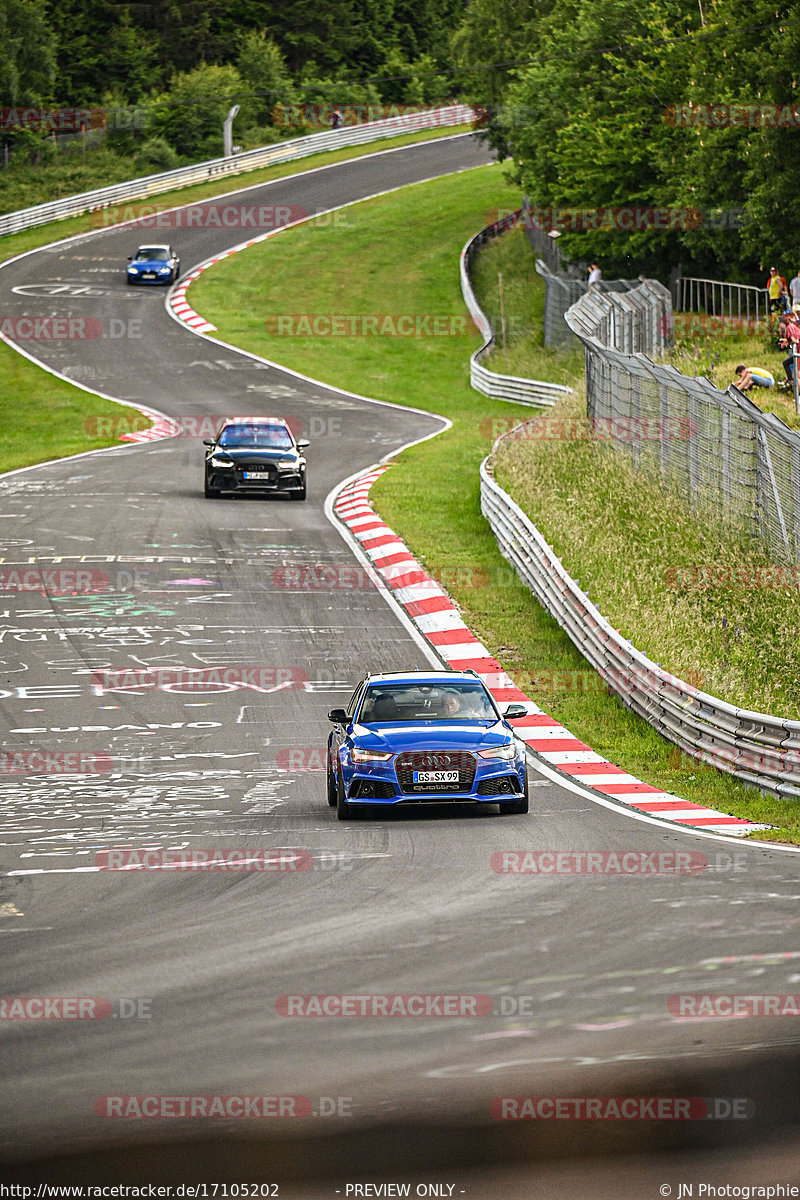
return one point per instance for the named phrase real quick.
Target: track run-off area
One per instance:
(582, 967)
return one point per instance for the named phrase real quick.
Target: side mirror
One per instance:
(338, 716)
(515, 710)
(207, 443)
(130, 258)
(302, 443)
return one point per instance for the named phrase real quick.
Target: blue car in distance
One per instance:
(153, 264)
(424, 737)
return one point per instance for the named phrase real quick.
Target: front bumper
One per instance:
(159, 279)
(231, 481)
(377, 783)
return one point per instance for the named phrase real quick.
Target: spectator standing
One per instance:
(790, 337)
(774, 287)
(336, 119)
(794, 289)
(594, 276)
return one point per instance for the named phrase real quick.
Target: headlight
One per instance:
(165, 270)
(133, 270)
(369, 755)
(220, 462)
(508, 751)
(287, 466)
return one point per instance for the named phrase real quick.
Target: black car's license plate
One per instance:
(436, 777)
(257, 475)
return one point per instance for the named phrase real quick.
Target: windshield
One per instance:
(152, 254)
(457, 701)
(269, 437)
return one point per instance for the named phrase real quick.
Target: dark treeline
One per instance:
(168, 70)
(627, 107)
(606, 110)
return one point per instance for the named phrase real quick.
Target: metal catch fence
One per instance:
(718, 448)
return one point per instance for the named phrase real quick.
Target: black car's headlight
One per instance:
(289, 465)
(361, 756)
(505, 752)
(218, 463)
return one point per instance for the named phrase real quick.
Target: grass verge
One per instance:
(399, 254)
(707, 346)
(44, 417)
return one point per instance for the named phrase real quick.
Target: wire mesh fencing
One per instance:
(724, 455)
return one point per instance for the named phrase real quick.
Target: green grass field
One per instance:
(399, 254)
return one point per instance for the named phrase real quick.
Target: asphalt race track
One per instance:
(405, 903)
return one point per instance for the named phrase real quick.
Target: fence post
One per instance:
(776, 500)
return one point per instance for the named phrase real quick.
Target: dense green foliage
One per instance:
(582, 100)
(166, 72)
(588, 116)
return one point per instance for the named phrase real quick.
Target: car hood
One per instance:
(431, 735)
(151, 264)
(257, 454)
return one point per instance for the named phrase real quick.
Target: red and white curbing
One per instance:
(438, 619)
(177, 299)
(162, 427)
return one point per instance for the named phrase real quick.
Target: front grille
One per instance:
(371, 789)
(262, 468)
(500, 785)
(435, 760)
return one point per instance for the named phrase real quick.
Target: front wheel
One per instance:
(517, 807)
(344, 811)
(331, 784)
(211, 493)
(300, 494)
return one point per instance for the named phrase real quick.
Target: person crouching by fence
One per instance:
(749, 377)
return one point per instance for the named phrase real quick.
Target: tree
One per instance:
(190, 116)
(264, 72)
(27, 53)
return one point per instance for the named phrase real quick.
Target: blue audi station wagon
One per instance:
(432, 737)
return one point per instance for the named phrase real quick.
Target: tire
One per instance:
(211, 493)
(332, 790)
(301, 494)
(344, 811)
(516, 808)
(129, 281)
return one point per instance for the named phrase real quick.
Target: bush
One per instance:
(156, 154)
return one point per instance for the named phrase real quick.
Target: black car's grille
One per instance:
(435, 760)
(376, 789)
(500, 785)
(267, 471)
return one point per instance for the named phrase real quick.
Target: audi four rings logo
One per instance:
(436, 760)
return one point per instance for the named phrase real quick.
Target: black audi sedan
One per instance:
(256, 454)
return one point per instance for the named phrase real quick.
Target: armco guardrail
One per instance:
(758, 749)
(489, 383)
(280, 152)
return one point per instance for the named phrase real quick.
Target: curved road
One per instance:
(405, 903)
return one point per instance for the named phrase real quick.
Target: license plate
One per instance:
(436, 777)
(256, 475)
(148, 274)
